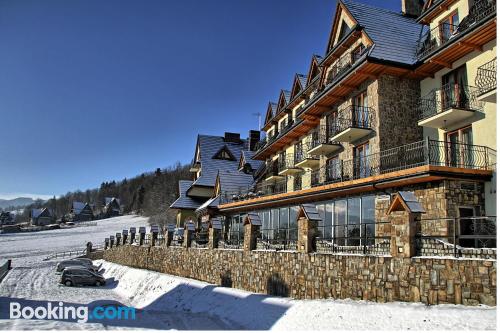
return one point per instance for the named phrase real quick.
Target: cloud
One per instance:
(9, 196)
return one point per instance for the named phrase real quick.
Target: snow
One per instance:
(168, 302)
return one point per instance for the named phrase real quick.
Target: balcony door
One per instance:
(448, 26)
(460, 151)
(333, 169)
(454, 89)
(331, 124)
(362, 166)
(360, 112)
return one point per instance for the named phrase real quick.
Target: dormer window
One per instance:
(344, 30)
(224, 154)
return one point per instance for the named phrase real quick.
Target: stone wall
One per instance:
(313, 275)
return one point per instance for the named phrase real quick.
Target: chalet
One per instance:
(81, 212)
(111, 207)
(6, 218)
(41, 216)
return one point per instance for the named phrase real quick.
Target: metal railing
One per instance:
(448, 97)
(302, 153)
(353, 116)
(459, 237)
(321, 136)
(343, 64)
(425, 152)
(287, 162)
(354, 238)
(233, 243)
(436, 38)
(486, 78)
(278, 239)
(272, 169)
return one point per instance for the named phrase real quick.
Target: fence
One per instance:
(460, 237)
(65, 254)
(278, 239)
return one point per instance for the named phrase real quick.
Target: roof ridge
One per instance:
(389, 11)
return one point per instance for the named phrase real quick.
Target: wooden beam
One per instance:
(343, 85)
(472, 46)
(370, 75)
(442, 63)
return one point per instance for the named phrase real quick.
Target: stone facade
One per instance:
(310, 276)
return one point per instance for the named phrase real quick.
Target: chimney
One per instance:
(232, 137)
(412, 8)
(253, 140)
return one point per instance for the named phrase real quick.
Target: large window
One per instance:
(460, 150)
(235, 234)
(362, 166)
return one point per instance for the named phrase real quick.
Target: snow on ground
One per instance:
(244, 310)
(169, 302)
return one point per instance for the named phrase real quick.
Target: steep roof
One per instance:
(302, 79)
(209, 145)
(394, 35)
(78, 207)
(108, 200)
(185, 202)
(234, 181)
(247, 157)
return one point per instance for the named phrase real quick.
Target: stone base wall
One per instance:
(435, 247)
(310, 276)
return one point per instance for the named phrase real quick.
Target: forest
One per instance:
(149, 194)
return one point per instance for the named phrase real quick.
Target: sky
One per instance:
(100, 90)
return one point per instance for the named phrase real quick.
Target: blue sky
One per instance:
(101, 90)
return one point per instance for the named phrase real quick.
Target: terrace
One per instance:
(486, 82)
(449, 105)
(424, 156)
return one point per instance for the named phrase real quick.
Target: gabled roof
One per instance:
(78, 207)
(208, 146)
(35, 213)
(313, 67)
(210, 203)
(271, 111)
(284, 99)
(299, 83)
(185, 202)
(233, 181)
(247, 158)
(394, 35)
(226, 150)
(109, 200)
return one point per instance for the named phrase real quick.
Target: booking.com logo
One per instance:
(65, 312)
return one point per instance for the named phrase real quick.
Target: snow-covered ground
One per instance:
(168, 302)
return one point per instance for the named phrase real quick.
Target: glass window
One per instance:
(354, 220)
(283, 224)
(368, 217)
(321, 211)
(340, 216)
(275, 218)
(293, 222)
(328, 230)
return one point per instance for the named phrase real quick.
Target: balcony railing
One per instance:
(272, 169)
(436, 38)
(448, 97)
(302, 153)
(343, 65)
(425, 152)
(322, 136)
(486, 78)
(353, 117)
(286, 162)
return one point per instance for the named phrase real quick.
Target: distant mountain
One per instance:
(17, 202)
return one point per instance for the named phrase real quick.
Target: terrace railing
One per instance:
(353, 116)
(278, 239)
(302, 154)
(321, 136)
(287, 162)
(420, 153)
(466, 236)
(445, 33)
(448, 97)
(486, 78)
(342, 65)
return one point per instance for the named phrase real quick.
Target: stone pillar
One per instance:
(307, 230)
(154, 238)
(169, 235)
(213, 238)
(142, 235)
(111, 241)
(188, 234)
(89, 248)
(106, 243)
(118, 238)
(403, 230)
(250, 237)
(132, 235)
(125, 236)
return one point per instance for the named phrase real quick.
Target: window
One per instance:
(333, 169)
(358, 52)
(224, 154)
(460, 150)
(448, 26)
(344, 30)
(331, 124)
(236, 231)
(368, 218)
(340, 217)
(362, 166)
(354, 221)
(454, 90)
(360, 112)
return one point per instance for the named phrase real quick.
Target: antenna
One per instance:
(257, 114)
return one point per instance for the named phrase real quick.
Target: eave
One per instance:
(417, 175)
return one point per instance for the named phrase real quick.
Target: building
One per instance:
(41, 217)
(6, 218)
(81, 212)
(111, 207)
(215, 156)
(385, 109)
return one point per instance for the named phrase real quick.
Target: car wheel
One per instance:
(68, 283)
(98, 283)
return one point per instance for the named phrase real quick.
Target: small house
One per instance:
(41, 216)
(6, 218)
(112, 207)
(81, 212)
